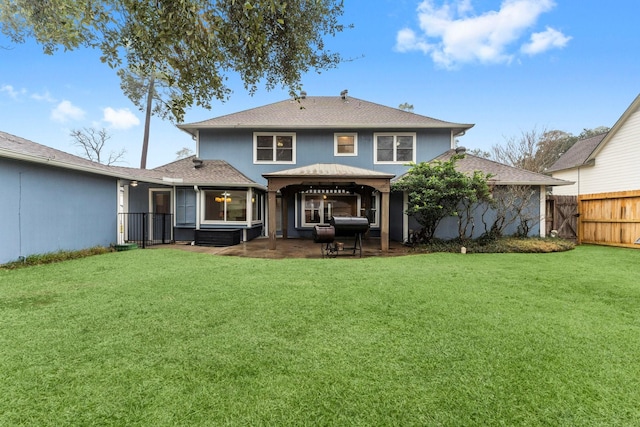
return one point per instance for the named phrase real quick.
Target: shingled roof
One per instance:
(14, 147)
(324, 112)
(578, 154)
(323, 170)
(204, 172)
(501, 174)
(185, 171)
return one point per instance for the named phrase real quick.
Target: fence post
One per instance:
(144, 230)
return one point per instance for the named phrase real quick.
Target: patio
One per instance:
(293, 248)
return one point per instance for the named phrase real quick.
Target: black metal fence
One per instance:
(145, 228)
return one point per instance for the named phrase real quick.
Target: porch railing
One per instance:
(145, 228)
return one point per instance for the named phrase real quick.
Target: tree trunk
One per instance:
(147, 124)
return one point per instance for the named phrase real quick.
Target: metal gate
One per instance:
(146, 229)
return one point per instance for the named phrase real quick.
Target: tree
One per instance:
(405, 106)
(192, 45)
(436, 190)
(92, 142)
(537, 150)
(513, 205)
(183, 153)
(466, 212)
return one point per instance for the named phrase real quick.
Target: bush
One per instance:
(52, 257)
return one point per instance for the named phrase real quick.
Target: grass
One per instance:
(162, 337)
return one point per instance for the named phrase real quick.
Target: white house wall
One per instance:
(617, 164)
(568, 175)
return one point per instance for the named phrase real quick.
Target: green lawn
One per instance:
(164, 338)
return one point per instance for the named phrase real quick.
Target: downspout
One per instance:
(543, 208)
(120, 211)
(197, 190)
(405, 217)
(453, 138)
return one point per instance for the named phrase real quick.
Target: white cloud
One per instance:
(11, 91)
(452, 35)
(66, 111)
(121, 118)
(541, 42)
(46, 96)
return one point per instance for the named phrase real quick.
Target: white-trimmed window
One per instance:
(257, 206)
(345, 144)
(224, 206)
(371, 209)
(320, 207)
(394, 147)
(269, 147)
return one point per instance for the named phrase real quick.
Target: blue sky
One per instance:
(508, 66)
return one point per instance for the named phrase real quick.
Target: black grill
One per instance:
(350, 226)
(341, 226)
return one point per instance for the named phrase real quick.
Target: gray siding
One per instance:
(46, 209)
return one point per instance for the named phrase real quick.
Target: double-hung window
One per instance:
(345, 144)
(394, 147)
(277, 147)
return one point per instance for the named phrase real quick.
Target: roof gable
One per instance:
(319, 112)
(634, 107)
(585, 151)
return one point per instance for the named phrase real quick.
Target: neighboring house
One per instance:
(607, 181)
(572, 164)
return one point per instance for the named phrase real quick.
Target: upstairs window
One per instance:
(274, 147)
(345, 144)
(394, 147)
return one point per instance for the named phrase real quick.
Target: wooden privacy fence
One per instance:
(610, 218)
(562, 216)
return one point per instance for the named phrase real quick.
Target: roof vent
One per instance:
(197, 163)
(303, 94)
(461, 150)
(343, 94)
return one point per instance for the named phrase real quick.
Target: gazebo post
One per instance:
(272, 219)
(384, 221)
